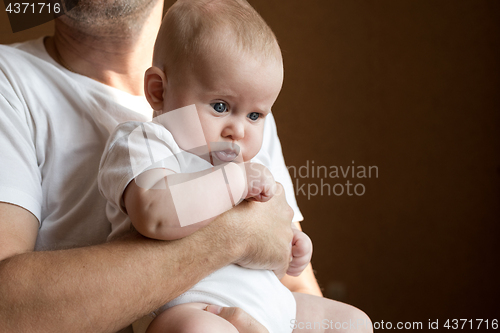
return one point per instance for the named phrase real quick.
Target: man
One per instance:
(59, 98)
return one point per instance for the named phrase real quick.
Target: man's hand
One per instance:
(259, 232)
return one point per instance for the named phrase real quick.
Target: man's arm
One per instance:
(104, 288)
(18, 230)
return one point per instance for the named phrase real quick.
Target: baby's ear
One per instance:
(155, 81)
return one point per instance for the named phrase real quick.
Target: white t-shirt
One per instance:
(54, 127)
(53, 130)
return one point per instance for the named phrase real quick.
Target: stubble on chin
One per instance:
(107, 17)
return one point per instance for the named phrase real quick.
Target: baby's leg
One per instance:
(318, 314)
(189, 318)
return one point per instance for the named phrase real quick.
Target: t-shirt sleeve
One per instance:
(133, 148)
(20, 177)
(272, 157)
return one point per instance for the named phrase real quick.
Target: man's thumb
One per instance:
(215, 309)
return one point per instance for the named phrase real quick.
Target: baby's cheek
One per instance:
(252, 147)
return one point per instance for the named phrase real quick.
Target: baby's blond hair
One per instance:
(192, 27)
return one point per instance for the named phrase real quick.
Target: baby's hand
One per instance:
(260, 182)
(301, 252)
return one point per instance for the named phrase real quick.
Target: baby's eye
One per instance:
(219, 107)
(254, 116)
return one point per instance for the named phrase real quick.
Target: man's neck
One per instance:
(118, 60)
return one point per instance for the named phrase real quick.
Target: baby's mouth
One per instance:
(225, 155)
(224, 151)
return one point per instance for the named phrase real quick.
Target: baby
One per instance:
(217, 71)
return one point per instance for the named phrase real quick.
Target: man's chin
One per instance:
(94, 14)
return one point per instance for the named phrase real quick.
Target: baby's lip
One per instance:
(225, 151)
(227, 155)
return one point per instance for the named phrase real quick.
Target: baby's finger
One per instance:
(297, 265)
(302, 245)
(296, 270)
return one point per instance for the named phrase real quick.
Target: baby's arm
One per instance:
(301, 252)
(304, 282)
(166, 205)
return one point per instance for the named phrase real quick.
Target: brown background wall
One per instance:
(411, 87)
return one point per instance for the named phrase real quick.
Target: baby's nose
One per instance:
(234, 131)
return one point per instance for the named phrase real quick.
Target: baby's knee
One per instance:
(202, 324)
(189, 318)
(359, 322)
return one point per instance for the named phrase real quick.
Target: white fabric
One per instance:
(258, 292)
(53, 129)
(116, 170)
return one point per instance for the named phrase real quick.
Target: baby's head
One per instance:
(221, 56)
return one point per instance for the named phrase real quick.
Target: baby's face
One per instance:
(233, 94)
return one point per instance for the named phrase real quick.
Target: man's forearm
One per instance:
(106, 287)
(102, 288)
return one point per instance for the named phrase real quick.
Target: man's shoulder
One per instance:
(12, 59)
(21, 52)
(22, 64)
